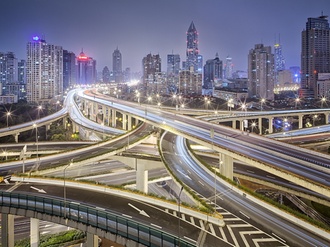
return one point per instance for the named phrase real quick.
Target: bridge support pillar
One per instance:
(34, 232)
(16, 137)
(124, 122)
(129, 122)
(300, 121)
(270, 125)
(7, 230)
(260, 125)
(226, 166)
(92, 240)
(141, 177)
(233, 124)
(113, 118)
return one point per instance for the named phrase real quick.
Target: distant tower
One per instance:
(44, 71)
(106, 74)
(192, 48)
(229, 68)
(8, 72)
(69, 69)
(173, 64)
(212, 74)
(261, 72)
(279, 62)
(86, 69)
(315, 54)
(117, 66)
(151, 67)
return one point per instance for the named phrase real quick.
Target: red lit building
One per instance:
(86, 69)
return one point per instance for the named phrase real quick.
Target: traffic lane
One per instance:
(258, 216)
(119, 205)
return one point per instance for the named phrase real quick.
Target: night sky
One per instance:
(139, 27)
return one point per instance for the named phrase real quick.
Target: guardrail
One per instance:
(94, 217)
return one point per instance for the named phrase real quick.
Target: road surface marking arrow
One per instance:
(142, 212)
(39, 190)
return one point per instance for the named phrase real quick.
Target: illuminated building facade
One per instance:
(44, 71)
(228, 74)
(261, 72)
(212, 74)
(315, 55)
(192, 51)
(8, 71)
(151, 67)
(86, 69)
(190, 83)
(69, 69)
(117, 66)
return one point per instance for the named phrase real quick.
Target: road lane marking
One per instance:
(128, 216)
(156, 226)
(244, 214)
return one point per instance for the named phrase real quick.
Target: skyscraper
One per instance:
(151, 67)
(44, 71)
(106, 74)
(86, 69)
(117, 66)
(173, 64)
(315, 54)
(212, 74)
(69, 69)
(192, 48)
(261, 72)
(228, 68)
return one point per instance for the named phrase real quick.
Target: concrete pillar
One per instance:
(300, 121)
(34, 232)
(64, 122)
(226, 166)
(113, 118)
(103, 113)
(141, 177)
(92, 240)
(270, 125)
(260, 125)
(7, 230)
(129, 122)
(16, 137)
(108, 116)
(241, 126)
(233, 124)
(47, 127)
(124, 122)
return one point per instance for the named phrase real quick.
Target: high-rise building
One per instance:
(86, 69)
(117, 66)
(190, 83)
(261, 72)
(106, 74)
(315, 54)
(44, 71)
(151, 66)
(173, 64)
(212, 74)
(192, 48)
(228, 68)
(8, 71)
(69, 69)
(21, 74)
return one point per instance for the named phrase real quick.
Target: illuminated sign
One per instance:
(36, 38)
(83, 57)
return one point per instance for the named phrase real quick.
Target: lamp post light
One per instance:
(323, 100)
(297, 100)
(262, 101)
(7, 115)
(64, 187)
(253, 126)
(314, 118)
(179, 216)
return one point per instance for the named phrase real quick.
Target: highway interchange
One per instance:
(242, 214)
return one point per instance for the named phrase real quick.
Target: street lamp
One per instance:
(179, 216)
(253, 125)
(7, 115)
(262, 101)
(323, 100)
(64, 187)
(297, 100)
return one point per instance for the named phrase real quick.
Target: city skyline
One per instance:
(137, 28)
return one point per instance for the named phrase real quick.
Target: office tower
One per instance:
(44, 71)
(151, 66)
(192, 48)
(127, 75)
(117, 66)
(86, 69)
(261, 72)
(315, 54)
(173, 64)
(69, 69)
(212, 74)
(21, 77)
(190, 83)
(228, 68)
(8, 71)
(106, 74)
(199, 64)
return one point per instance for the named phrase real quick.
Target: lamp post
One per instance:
(297, 100)
(7, 115)
(179, 216)
(64, 187)
(262, 101)
(323, 100)
(37, 143)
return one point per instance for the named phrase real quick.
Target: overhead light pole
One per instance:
(179, 216)
(7, 115)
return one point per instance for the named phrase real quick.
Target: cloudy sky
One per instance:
(139, 27)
